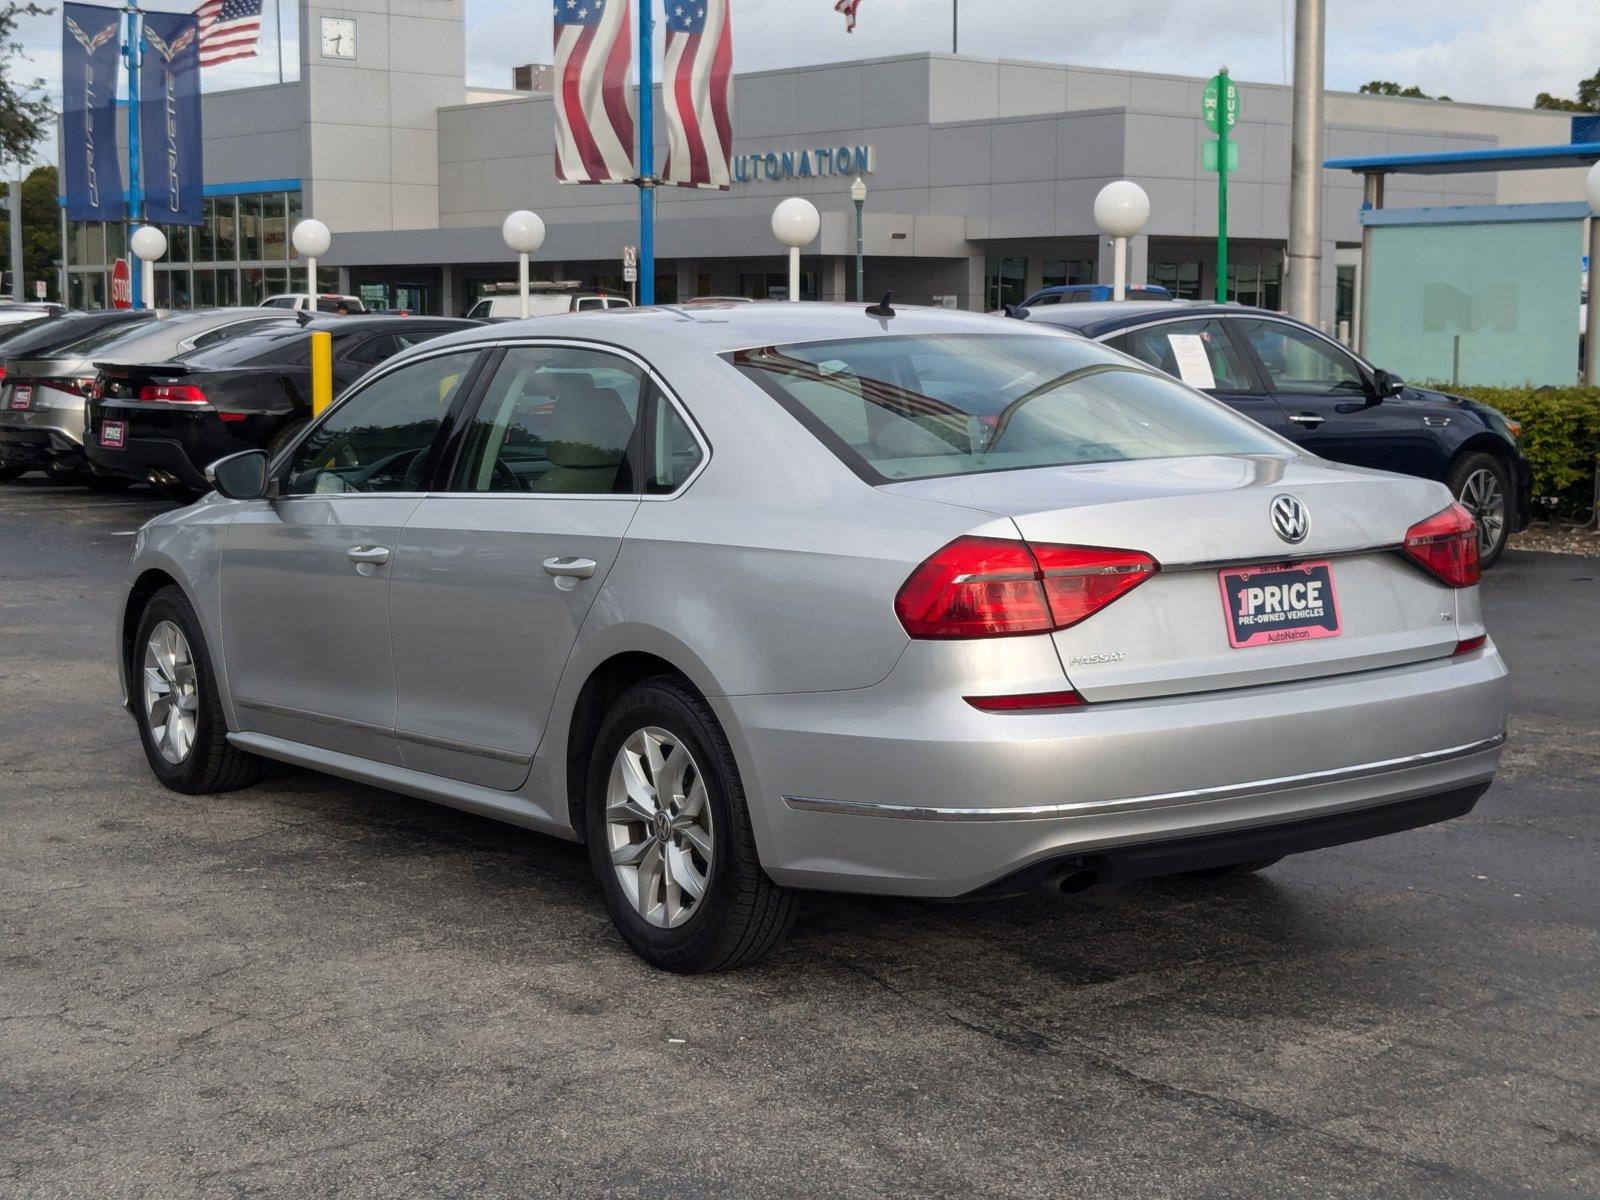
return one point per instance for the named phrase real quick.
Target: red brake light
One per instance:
(992, 587)
(1468, 645)
(2, 370)
(173, 393)
(1446, 546)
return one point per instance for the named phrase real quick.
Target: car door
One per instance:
(1200, 352)
(306, 573)
(497, 569)
(1327, 396)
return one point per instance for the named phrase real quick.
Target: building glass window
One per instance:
(1257, 284)
(85, 244)
(224, 222)
(274, 230)
(227, 286)
(1182, 279)
(1063, 272)
(116, 242)
(1344, 302)
(178, 247)
(251, 214)
(205, 287)
(1004, 280)
(294, 211)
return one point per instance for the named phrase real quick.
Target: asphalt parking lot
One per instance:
(314, 988)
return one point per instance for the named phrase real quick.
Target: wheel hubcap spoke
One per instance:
(658, 827)
(171, 692)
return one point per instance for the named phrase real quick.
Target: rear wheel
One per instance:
(670, 838)
(173, 690)
(1483, 486)
(289, 431)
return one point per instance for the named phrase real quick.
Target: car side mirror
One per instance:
(241, 476)
(1387, 384)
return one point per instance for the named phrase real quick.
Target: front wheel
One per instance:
(173, 689)
(670, 838)
(1483, 486)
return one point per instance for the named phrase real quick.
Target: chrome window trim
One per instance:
(1241, 315)
(1050, 812)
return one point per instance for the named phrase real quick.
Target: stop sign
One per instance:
(121, 285)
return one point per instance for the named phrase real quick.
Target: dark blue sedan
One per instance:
(1302, 384)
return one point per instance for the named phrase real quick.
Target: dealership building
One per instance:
(981, 176)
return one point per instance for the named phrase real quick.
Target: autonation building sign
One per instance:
(803, 164)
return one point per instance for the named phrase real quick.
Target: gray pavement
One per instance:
(312, 988)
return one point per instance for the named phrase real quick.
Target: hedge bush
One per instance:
(1560, 437)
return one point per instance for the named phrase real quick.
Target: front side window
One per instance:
(923, 406)
(1303, 363)
(379, 439)
(554, 419)
(1197, 352)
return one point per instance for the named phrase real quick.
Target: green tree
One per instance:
(1588, 98)
(41, 230)
(24, 108)
(1386, 87)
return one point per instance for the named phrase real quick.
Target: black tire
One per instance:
(7, 474)
(743, 915)
(1234, 870)
(212, 764)
(1462, 472)
(287, 432)
(107, 483)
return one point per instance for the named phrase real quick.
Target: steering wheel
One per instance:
(507, 476)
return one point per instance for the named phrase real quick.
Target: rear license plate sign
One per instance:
(113, 434)
(1284, 602)
(21, 396)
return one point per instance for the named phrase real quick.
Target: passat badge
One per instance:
(1289, 519)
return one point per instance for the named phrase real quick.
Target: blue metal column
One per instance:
(130, 53)
(647, 157)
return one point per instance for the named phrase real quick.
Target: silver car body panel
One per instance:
(768, 583)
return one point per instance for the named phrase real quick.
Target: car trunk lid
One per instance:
(1200, 517)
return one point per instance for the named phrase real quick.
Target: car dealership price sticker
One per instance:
(1289, 602)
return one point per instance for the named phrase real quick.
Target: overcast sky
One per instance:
(1490, 51)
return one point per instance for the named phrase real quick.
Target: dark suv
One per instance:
(1302, 384)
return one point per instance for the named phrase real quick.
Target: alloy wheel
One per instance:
(1483, 497)
(171, 692)
(658, 827)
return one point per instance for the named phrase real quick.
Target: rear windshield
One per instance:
(278, 343)
(920, 407)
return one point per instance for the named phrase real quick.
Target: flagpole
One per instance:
(130, 52)
(647, 157)
(277, 22)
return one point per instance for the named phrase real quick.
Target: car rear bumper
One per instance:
(149, 460)
(887, 790)
(47, 435)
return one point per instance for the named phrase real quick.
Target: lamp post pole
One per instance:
(858, 193)
(647, 157)
(130, 55)
(523, 232)
(1121, 210)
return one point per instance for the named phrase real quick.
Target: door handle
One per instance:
(373, 555)
(1309, 420)
(570, 568)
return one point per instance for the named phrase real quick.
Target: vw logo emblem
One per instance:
(1289, 519)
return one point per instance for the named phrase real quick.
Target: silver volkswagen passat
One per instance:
(766, 597)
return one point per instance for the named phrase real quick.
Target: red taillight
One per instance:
(1446, 546)
(2, 371)
(991, 587)
(173, 393)
(1468, 645)
(1027, 702)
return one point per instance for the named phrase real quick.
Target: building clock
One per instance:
(338, 37)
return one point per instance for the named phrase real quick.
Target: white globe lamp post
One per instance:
(523, 232)
(149, 244)
(311, 240)
(1121, 210)
(1591, 337)
(795, 223)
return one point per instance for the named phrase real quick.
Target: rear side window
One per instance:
(554, 419)
(1198, 352)
(920, 407)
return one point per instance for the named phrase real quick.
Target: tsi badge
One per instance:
(1289, 519)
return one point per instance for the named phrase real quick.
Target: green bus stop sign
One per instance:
(1220, 103)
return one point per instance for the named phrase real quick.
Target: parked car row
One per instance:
(115, 397)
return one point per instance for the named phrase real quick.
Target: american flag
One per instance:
(696, 93)
(594, 104)
(229, 29)
(848, 8)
